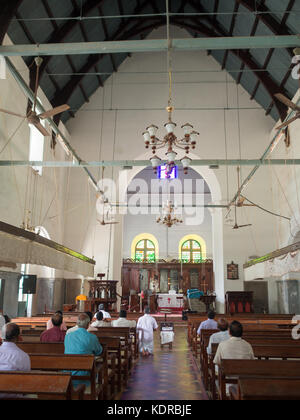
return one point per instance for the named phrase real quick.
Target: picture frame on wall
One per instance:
(232, 271)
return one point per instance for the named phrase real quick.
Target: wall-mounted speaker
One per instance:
(29, 284)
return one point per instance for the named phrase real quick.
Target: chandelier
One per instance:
(170, 141)
(168, 218)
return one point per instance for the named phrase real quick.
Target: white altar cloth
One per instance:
(170, 301)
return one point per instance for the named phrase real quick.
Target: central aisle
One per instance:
(168, 375)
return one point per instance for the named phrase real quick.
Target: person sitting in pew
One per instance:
(63, 326)
(122, 321)
(11, 357)
(235, 347)
(106, 315)
(81, 341)
(89, 314)
(54, 334)
(209, 324)
(98, 323)
(218, 337)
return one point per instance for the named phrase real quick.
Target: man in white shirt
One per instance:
(122, 321)
(11, 356)
(98, 323)
(235, 347)
(145, 327)
(2, 323)
(106, 315)
(218, 337)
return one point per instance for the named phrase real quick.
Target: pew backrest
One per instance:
(42, 384)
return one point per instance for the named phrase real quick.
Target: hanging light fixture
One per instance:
(168, 217)
(187, 142)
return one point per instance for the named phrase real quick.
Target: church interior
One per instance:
(203, 218)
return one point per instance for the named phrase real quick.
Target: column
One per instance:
(218, 257)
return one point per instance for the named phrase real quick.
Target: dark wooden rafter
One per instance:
(32, 72)
(264, 77)
(134, 27)
(106, 34)
(253, 32)
(63, 31)
(287, 75)
(267, 81)
(265, 16)
(64, 95)
(8, 10)
(231, 29)
(71, 64)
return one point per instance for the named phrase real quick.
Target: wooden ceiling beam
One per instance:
(8, 11)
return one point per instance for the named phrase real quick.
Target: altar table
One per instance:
(172, 302)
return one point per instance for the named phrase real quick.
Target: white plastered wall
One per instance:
(206, 97)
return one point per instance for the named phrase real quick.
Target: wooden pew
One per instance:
(261, 351)
(44, 385)
(106, 360)
(262, 388)
(125, 334)
(66, 362)
(231, 370)
(114, 347)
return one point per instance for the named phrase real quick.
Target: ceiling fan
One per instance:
(291, 105)
(240, 202)
(236, 225)
(32, 117)
(105, 219)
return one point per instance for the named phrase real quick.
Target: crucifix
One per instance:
(203, 285)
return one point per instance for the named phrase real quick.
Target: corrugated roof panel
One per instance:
(248, 80)
(260, 55)
(227, 9)
(293, 20)
(262, 97)
(74, 36)
(278, 8)
(208, 5)
(279, 64)
(94, 32)
(244, 22)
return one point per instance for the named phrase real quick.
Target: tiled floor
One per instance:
(168, 375)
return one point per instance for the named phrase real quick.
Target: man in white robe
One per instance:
(145, 327)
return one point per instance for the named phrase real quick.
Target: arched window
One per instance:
(145, 251)
(191, 252)
(144, 247)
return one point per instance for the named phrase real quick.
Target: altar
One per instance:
(173, 302)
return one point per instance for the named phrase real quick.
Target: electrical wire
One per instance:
(267, 211)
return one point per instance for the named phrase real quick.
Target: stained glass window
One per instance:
(145, 251)
(191, 252)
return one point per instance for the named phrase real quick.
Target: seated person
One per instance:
(12, 358)
(89, 314)
(106, 315)
(122, 321)
(99, 322)
(63, 326)
(81, 341)
(54, 334)
(209, 324)
(235, 347)
(218, 337)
